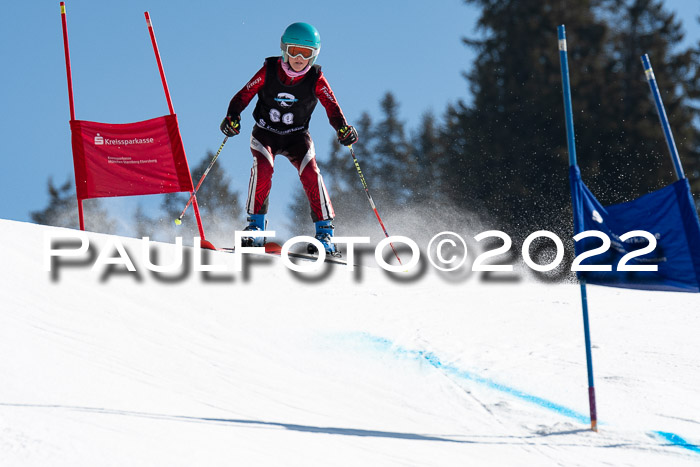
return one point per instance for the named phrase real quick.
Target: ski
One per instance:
(275, 249)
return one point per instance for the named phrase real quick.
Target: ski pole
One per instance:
(371, 201)
(178, 221)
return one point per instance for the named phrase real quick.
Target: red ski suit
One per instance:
(282, 116)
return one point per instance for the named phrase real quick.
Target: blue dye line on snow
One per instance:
(676, 440)
(451, 370)
(387, 346)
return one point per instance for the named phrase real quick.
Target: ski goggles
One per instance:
(296, 50)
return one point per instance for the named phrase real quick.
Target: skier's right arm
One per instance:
(231, 125)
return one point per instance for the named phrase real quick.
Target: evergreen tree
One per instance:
(62, 210)
(425, 173)
(514, 145)
(387, 160)
(143, 223)
(509, 149)
(219, 209)
(394, 163)
(344, 186)
(299, 217)
(631, 143)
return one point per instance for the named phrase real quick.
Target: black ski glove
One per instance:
(347, 136)
(231, 126)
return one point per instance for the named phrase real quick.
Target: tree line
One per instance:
(504, 154)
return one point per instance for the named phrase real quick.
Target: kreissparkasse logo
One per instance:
(99, 140)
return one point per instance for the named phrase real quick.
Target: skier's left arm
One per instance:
(347, 135)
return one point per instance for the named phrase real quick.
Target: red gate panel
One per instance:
(129, 158)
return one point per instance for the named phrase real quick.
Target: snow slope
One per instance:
(271, 367)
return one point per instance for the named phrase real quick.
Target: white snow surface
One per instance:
(271, 367)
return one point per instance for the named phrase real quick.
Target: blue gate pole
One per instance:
(670, 142)
(571, 140)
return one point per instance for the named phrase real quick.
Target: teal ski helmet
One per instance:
(301, 34)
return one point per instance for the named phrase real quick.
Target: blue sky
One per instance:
(209, 51)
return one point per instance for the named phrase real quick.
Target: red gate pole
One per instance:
(172, 111)
(67, 53)
(160, 63)
(69, 76)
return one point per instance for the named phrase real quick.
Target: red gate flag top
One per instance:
(128, 159)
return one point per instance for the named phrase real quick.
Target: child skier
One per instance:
(288, 88)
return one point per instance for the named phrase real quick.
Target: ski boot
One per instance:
(324, 234)
(256, 222)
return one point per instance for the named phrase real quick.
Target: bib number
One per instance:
(276, 116)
